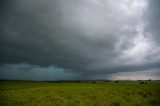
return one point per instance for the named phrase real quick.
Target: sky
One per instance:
(79, 39)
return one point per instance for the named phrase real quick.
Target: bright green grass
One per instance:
(14, 93)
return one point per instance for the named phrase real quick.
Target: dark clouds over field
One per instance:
(82, 39)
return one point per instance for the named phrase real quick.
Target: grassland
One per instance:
(19, 93)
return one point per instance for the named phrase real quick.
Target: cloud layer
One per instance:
(87, 38)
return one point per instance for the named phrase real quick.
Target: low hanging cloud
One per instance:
(140, 75)
(25, 71)
(86, 38)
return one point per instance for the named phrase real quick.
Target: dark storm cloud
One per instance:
(153, 20)
(26, 37)
(34, 72)
(86, 38)
(43, 33)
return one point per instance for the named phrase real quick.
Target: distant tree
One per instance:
(146, 82)
(116, 81)
(141, 82)
(149, 79)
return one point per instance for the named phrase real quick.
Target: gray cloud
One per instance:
(87, 37)
(152, 20)
(33, 72)
(141, 75)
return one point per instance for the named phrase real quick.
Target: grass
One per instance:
(19, 93)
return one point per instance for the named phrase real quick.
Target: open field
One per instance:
(130, 93)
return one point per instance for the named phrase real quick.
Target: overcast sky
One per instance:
(79, 39)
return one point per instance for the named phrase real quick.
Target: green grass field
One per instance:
(19, 93)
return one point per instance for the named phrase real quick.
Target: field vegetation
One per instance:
(86, 93)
